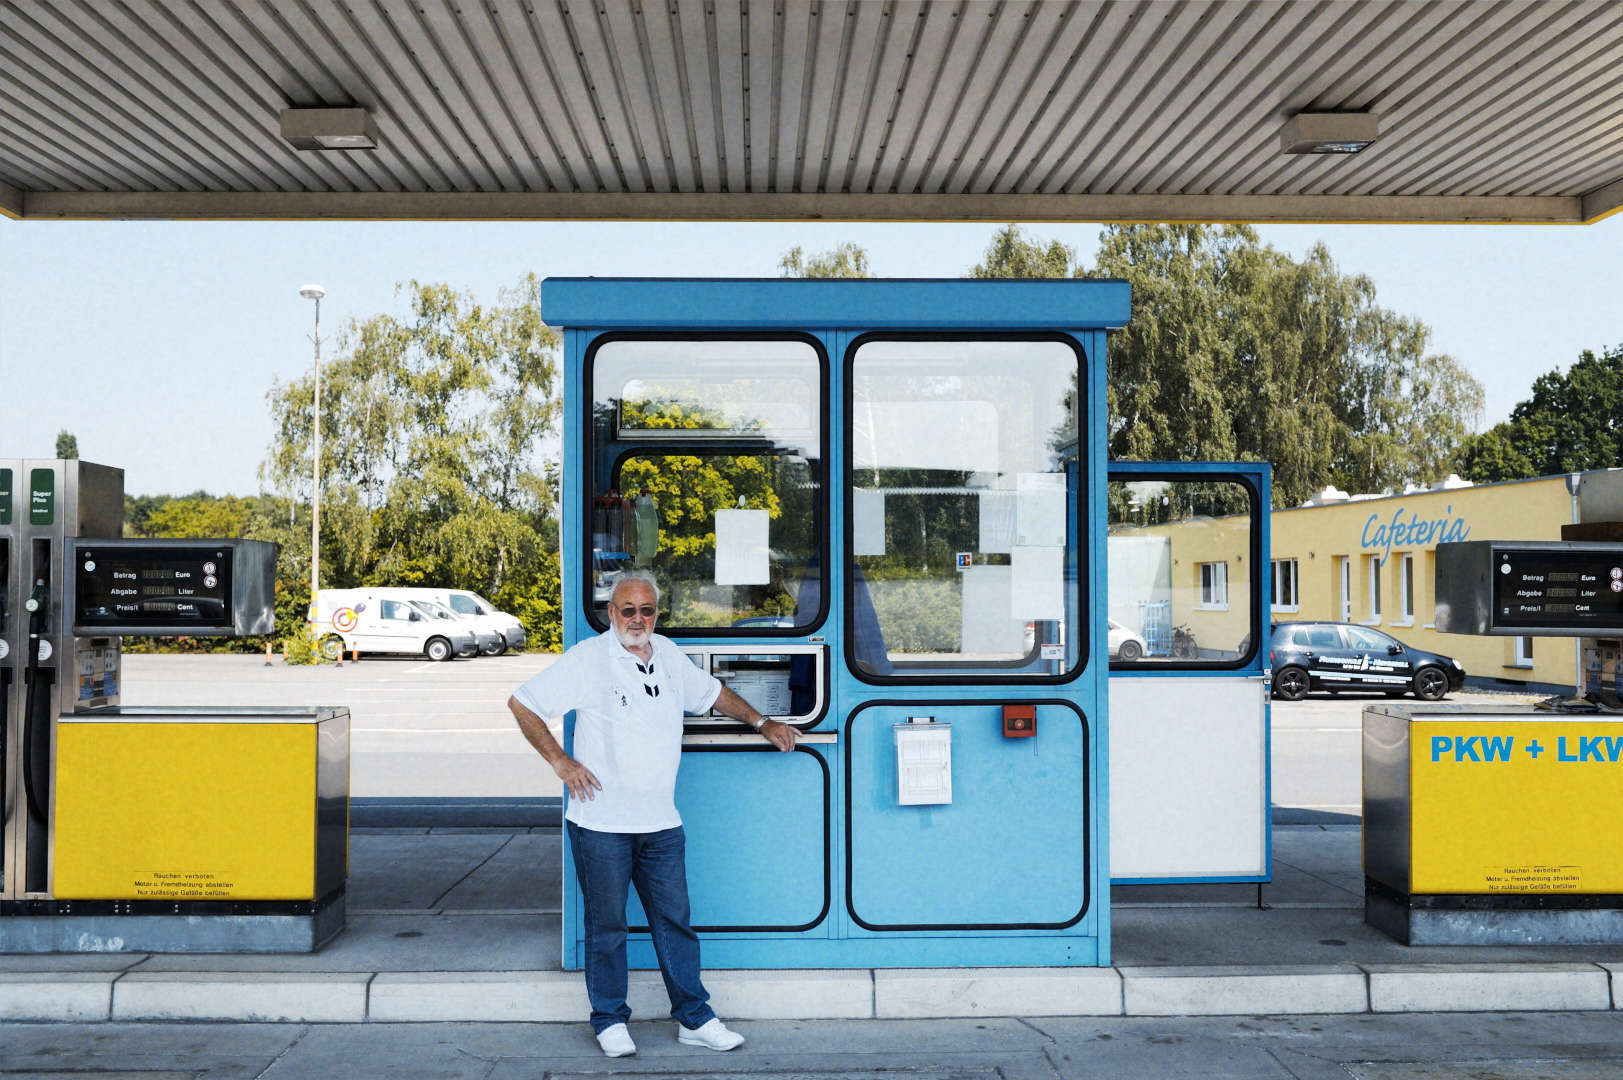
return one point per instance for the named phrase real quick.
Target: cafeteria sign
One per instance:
(1413, 529)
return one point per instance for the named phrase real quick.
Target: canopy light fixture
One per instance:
(329, 129)
(1328, 132)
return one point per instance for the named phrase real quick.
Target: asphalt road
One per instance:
(1315, 745)
(417, 728)
(426, 729)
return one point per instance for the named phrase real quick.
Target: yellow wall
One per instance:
(1207, 540)
(1317, 537)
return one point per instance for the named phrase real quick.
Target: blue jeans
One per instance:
(606, 864)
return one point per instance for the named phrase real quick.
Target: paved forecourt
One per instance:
(462, 925)
(418, 729)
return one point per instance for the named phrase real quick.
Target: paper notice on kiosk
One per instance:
(867, 523)
(1040, 519)
(741, 547)
(1037, 590)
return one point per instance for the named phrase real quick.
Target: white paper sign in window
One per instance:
(741, 547)
(867, 522)
(997, 521)
(1040, 520)
(1038, 588)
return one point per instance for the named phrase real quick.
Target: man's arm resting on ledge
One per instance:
(775, 732)
(576, 777)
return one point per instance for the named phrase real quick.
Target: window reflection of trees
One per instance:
(693, 458)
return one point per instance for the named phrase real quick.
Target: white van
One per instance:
(507, 627)
(366, 621)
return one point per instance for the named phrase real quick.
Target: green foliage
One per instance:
(920, 613)
(1572, 422)
(1012, 255)
(1237, 351)
(433, 465)
(67, 445)
(300, 647)
(845, 261)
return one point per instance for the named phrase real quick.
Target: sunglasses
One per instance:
(647, 611)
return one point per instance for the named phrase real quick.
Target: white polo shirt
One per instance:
(629, 736)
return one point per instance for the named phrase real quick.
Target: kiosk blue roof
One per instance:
(938, 304)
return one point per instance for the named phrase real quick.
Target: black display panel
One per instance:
(124, 585)
(1534, 588)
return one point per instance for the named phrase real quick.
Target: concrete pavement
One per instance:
(1479, 1046)
(462, 925)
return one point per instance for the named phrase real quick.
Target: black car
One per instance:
(1344, 656)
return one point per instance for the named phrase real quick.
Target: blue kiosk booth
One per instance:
(877, 510)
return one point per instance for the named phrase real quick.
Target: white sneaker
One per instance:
(616, 1041)
(712, 1033)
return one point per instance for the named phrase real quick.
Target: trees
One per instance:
(438, 463)
(1236, 350)
(67, 445)
(847, 260)
(1012, 255)
(1572, 422)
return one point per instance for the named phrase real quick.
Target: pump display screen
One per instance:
(127, 586)
(1535, 588)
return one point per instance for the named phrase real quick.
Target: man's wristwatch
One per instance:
(762, 724)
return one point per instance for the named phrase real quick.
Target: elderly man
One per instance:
(629, 688)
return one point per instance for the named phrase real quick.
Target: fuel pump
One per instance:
(150, 828)
(1496, 824)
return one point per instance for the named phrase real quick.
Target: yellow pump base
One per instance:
(1493, 825)
(189, 829)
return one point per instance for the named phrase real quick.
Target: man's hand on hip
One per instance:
(779, 734)
(577, 778)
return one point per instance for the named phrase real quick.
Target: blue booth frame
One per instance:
(1257, 479)
(725, 803)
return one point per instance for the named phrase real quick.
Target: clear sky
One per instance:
(155, 342)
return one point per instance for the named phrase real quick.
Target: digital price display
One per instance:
(1536, 589)
(183, 588)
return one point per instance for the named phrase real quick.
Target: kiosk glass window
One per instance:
(963, 496)
(1181, 556)
(707, 471)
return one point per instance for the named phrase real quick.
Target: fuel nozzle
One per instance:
(36, 599)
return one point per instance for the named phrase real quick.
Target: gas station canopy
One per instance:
(800, 109)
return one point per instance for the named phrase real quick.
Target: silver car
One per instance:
(471, 641)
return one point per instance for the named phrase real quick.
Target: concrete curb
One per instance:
(273, 996)
(56, 995)
(1189, 991)
(856, 994)
(1489, 988)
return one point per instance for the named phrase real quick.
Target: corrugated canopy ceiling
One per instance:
(795, 109)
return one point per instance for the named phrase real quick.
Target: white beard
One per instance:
(632, 639)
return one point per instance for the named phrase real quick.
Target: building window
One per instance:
(1374, 588)
(1214, 585)
(1523, 652)
(1406, 590)
(1344, 564)
(1284, 586)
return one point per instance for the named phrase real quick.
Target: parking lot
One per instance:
(417, 728)
(425, 729)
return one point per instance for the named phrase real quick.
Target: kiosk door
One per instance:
(966, 739)
(705, 466)
(1189, 587)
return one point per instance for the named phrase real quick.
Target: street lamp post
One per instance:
(315, 292)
